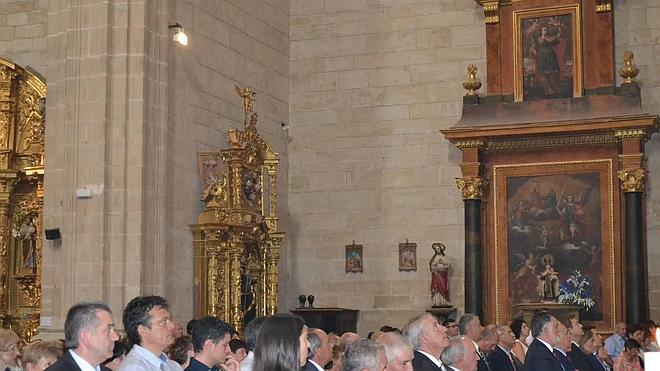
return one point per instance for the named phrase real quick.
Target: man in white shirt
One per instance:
(150, 331)
(251, 333)
(429, 338)
(320, 350)
(460, 354)
(90, 337)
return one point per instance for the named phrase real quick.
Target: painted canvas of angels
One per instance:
(554, 235)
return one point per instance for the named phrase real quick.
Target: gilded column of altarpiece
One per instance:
(22, 129)
(237, 238)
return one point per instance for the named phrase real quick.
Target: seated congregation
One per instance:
(283, 342)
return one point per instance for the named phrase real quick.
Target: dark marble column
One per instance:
(473, 266)
(634, 266)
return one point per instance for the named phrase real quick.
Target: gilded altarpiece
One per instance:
(22, 129)
(237, 238)
(553, 168)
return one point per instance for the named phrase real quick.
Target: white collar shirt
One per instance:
(82, 363)
(433, 359)
(246, 364)
(315, 364)
(546, 345)
(141, 359)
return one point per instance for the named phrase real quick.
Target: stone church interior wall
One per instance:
(244, 42)
(23, 30)
(372, 83)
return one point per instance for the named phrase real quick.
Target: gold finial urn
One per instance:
(629, 71)
(472, 84)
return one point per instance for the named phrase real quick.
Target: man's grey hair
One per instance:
(314, 342)
(362, 354)
(81, 317)
(394, 345)
(415, 329)
(451, 353)
(502, 329)
(540, 321)
(465, 322)
(251, 333)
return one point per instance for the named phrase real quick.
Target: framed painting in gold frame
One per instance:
(547, 53)
(354, 258)
(556, 217)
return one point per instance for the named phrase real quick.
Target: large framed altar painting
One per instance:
(556, 219)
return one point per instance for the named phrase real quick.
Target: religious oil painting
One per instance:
(548, 62)
(354, 258)
(557, 239)
(407, 256)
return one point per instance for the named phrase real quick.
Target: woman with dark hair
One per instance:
(282, 344)
(628, 360)
(520, 331)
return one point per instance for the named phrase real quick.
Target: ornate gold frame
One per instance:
(22, 134)
(518, 16)
(237, 239)
(501, 172)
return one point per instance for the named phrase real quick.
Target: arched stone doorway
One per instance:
(22, 129)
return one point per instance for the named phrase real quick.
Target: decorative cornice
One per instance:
(603, 6)
(550, 142)
(471, 187)
(469, 143)
(635, 133)
(632, 180)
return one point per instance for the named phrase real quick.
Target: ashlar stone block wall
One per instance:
(243, 42)
(23, 28)
(372, 83)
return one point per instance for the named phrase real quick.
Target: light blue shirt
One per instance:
(614, 345)
(140, 359)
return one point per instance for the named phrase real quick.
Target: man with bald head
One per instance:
(346, 339)
(429, 339)
(399, 351)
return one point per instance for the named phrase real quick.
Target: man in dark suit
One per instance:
(320, 350)
(470, 326)
(429, 338)
(500, 358)
(89, 337)
(576, 354)
(563, 347)
(540, 356)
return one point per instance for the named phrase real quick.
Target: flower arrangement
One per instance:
(576, 290)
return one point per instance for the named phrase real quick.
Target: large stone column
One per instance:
(637, 294)
(632, 176)
(107, 102)
(471, 186)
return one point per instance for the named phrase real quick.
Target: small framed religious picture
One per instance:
(547, 53)
(354, 258)
(407, 256)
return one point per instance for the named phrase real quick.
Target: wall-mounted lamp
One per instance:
(179, 35)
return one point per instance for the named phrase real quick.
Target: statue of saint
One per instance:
(28, 234)
(549, 284)
(439, 266)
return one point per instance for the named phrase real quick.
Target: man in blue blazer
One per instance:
(540, 356)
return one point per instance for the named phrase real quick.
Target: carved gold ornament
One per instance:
(632, 180)
(471, 187)
(237, 237)
(472, 84)
(629, 71)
